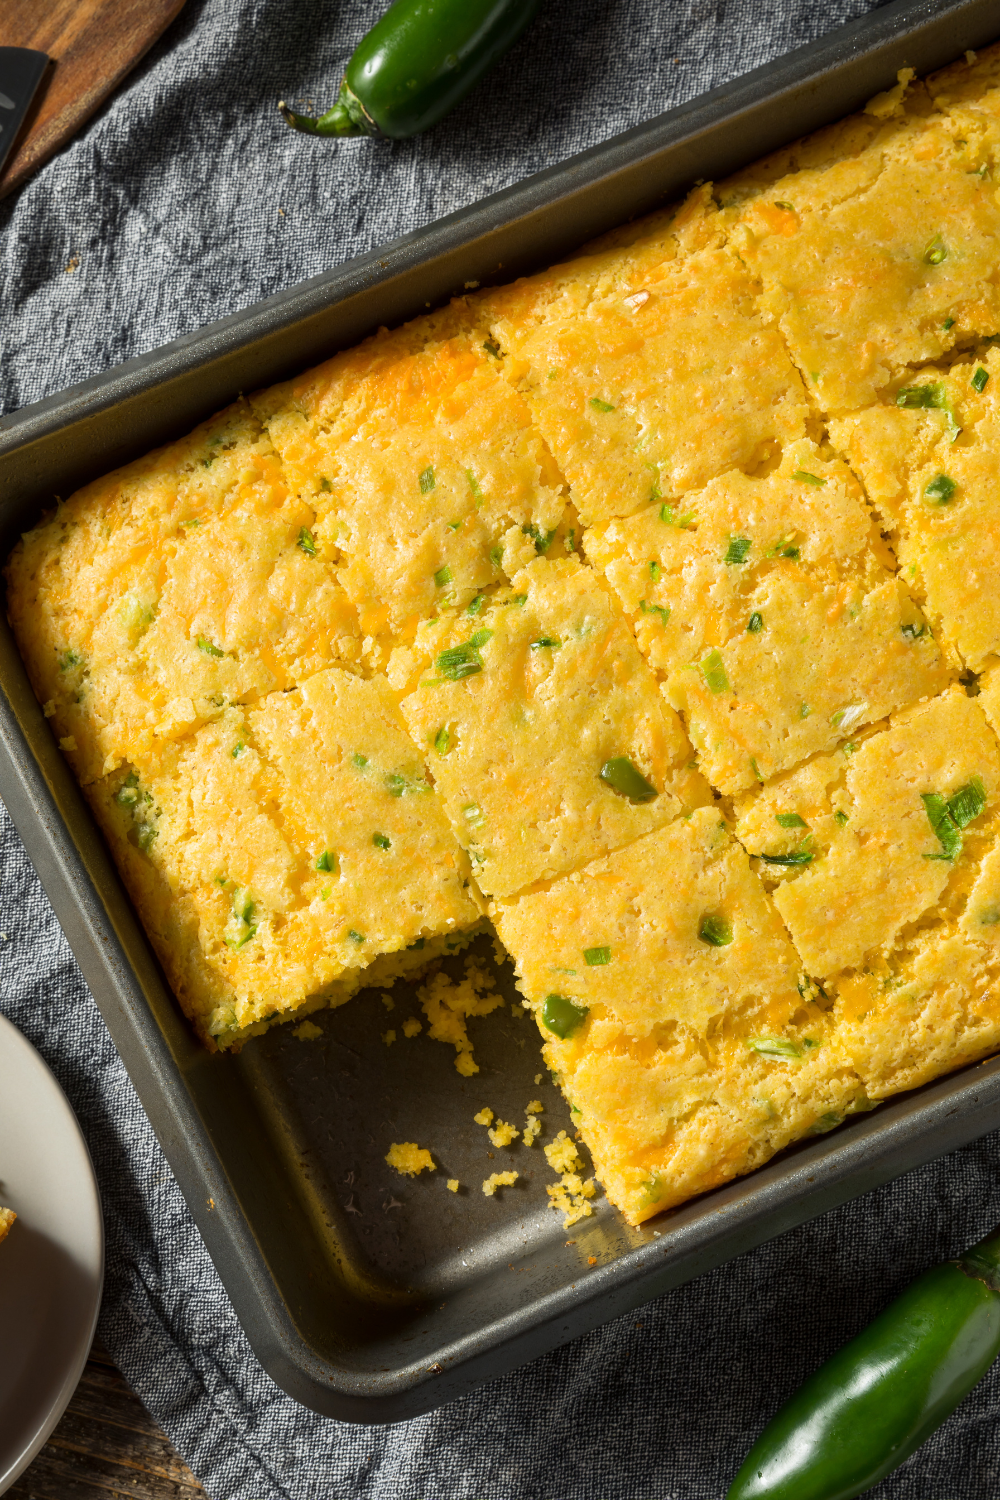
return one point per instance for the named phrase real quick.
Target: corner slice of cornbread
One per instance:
(184, 582)
(769, 611)
(674, 1013)
(7, 1217)
(286, 854)
(521, 705)
(424, 469)
(880, 260)
(650, 394)
(929, 456)
(865, 843)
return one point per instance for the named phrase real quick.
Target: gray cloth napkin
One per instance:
(184, 200)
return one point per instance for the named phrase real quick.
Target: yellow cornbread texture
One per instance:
(768, 608)
(715, 501)
(7, 1217)
(548, 687)
(287, 852)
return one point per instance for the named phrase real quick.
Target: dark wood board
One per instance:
(106, 1445)
(93, 45)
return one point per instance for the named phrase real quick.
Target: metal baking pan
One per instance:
(364, 1296)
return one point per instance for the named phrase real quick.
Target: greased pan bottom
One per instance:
(361, 1309)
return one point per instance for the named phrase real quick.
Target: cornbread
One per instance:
(7, 1217)
(646, 609)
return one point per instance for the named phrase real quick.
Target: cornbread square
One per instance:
(768, 608)
(649, 395)
(426, 474)
(287, 853)
(184, 582)
(882, 259)
(519, 707)
(674, 1013)
(929, 456)
(674, 929)
(866, 842)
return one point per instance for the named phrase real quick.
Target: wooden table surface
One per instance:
(107, 1447)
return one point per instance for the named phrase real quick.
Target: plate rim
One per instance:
(75, 1367)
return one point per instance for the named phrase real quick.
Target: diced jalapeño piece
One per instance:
(627, 780)
(940, 489)
(715, 930)
(562, 1016)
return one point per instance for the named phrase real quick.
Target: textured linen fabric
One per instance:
(186, 199)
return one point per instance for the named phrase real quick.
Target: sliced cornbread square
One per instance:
(651, 393)
(287, 853)
(769, 610)
(185, 582)
(425, 472)
(865, 842)
(929, 456)
(882, 259)
(674, 1012)
(544, 729)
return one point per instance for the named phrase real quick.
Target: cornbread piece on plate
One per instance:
(521, 704)
(423, 468)
(929, 456)
(594, 373)
(888, 880)
(767, 606)
(674, 1012)
(7, 1217)
(882, 258)
(190, 579)
(288, 853)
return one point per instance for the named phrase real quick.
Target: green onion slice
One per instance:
(804, 477)
(600, 405)
(797, 857)
(714, 672)
(755, 624)
(789, 820)
(381, 841)
(979, 380)
(427, 480)
(307, 542)
(596, 957)
(773, 1046)
(736, 553)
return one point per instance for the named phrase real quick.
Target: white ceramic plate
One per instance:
(52, 1262)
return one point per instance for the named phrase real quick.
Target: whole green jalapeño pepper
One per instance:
(416, 64)
(883, 1394)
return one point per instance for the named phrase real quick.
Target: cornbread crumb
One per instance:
(532, 1124)
(308, 1031)
(571, 1194)
(389, 1037)
(67, 743)
(484, 1117)
(388, 1002)
(412, 1027)
(497, 1180)
(448, 1005)
(561, 1154)
(409, 1158)
(453, 1184)
(538, 1078)
(504, 1134)
(7, 1217)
